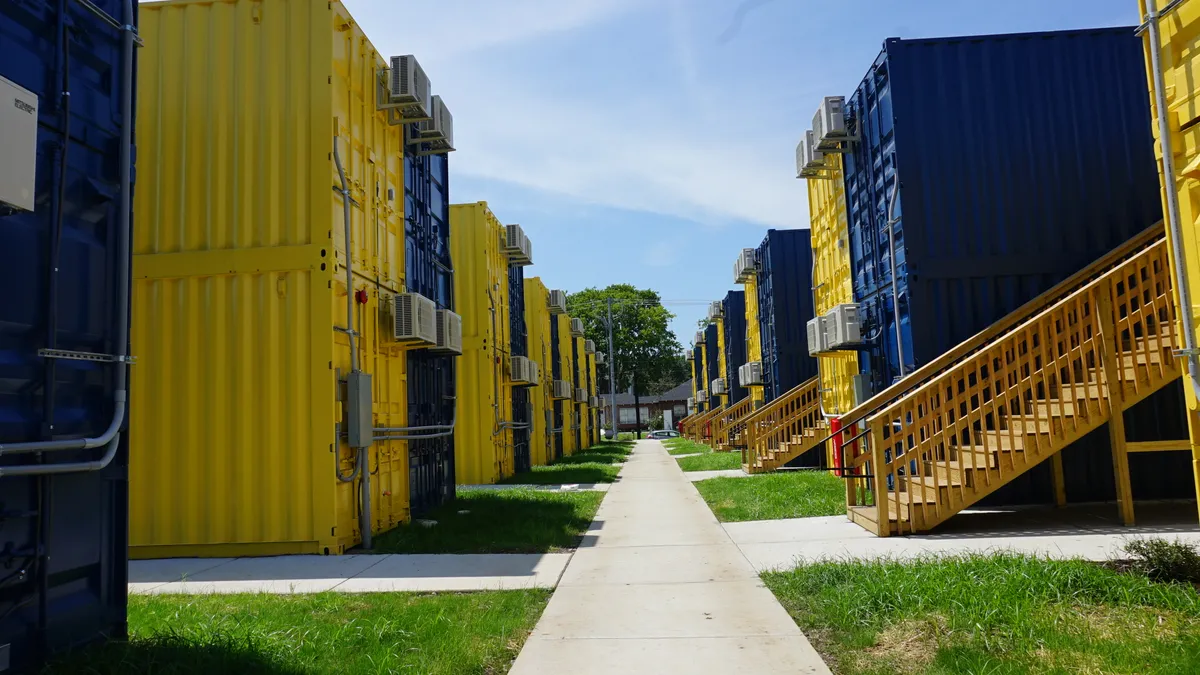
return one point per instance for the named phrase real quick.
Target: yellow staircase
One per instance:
(728, 426)
(784, 429)
(698, 428)
(1014, 396)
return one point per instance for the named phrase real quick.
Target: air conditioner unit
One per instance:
(524, 371)
(829, 124)
(449, 332)
(517, 246)
(816, 336)
(594, 401)
(702, 396)
(409, 89)
(844, 329)
(437, 132)
(558, 302)
(716, 310)
(816, 158)
(802, 157)
(691, 355)
(691, 403)
(718, 387)
(581, 395)
(589, 346)
(751, 374)
(601, 358)
(415, 319)
(699, 337)
(561, 389)
(745, 266)
(577, 327)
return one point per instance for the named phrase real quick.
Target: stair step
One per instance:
(1054, 407)
(933, 482)
(1030, 426)
(998, 440)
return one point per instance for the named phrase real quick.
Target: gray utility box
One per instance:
(360, 431)
(18, 145)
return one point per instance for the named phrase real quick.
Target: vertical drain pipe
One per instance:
(1171, 187)
(363, 460)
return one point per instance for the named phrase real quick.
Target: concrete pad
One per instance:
(157, 572)
(423, 573)
(714, 609)
(690, 454)
(696, 476)
(282, 575)
(656, 565)
(836, 528)
(566, 487)
(763, 655)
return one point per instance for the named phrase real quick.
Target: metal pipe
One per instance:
(1172, 189)
(892, 220)
(123, 262)
(110, 452)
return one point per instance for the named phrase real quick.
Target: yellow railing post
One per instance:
(878, 466)
(1113, 376)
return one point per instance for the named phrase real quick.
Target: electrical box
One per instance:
(18, 145)
(842, 328)
(360, 422)
(558, 302)
(829, 124)
(816, 336)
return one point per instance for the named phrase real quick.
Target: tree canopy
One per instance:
(645, 345)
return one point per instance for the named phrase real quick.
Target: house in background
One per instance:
(674, 401)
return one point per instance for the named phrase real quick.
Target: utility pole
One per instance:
(612, 373)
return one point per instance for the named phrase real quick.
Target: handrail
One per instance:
(733, 418)
(697, 430)
(774, 424)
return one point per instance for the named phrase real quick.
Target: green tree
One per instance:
(648, 355)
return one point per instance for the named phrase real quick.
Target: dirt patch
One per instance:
(908, 647)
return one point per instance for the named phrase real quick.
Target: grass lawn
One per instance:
(788, 494)
(598, 464)
(498, 521)
(682, 446)
(439, 634)
(995, 614)
(713, 461)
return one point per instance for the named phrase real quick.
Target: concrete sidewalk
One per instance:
(659, 587)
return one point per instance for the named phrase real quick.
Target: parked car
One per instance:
(664, 433)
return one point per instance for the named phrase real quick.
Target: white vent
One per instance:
(577, 327)
(843, 330)
(410, 87)
(581, 395)
(449, 332)
(745, 266)
(829, 124)
(416, 319)
(561, 389)
(589, 346)
(751, 374)
(816, 336)
(517, 246)
(558, 302)
(716, 310)
(524, 371)
(718, 386)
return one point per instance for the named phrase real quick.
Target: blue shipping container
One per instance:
(519, 346)
(712, 367)
(785, 306)
(556, 370)
(734, 310)
(432, 383)
(697, 375)
(64, 536)
(1021, 158)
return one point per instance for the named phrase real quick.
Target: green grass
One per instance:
(598, 464)
(789, 494)
(991, 614)
(498, 521)
(442, 634)
(682, 446)
(713, 461)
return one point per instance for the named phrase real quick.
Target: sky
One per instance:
(649, 141)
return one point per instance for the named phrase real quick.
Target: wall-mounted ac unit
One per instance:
(524, 371)
(601, 358)
(843, 331)
(558, 302)
(691, 355)
(517, 246)
(561, 389)
(802, 157)
(691, 403)
(581, 395)
(449, 332)
(717, 387)
(577, 327)
(716, 310)
(816, 336)
(436, 134)
(699, 340)
(594, 401)
(745, 266)
(415, 319)
(589, 346)
(829, 123)
(702, 396)
(751, 374)
(408, 89)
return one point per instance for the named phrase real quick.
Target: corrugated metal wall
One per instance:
(753, 333)
(537, 321)
(519, 346)
(735, 342)
(785, 306)
(577, 424)
(557, 369)
(566, 350)
(1022, 158)
(69, 530)
(712, 363)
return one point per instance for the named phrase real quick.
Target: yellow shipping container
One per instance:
(537, 321)
(239, 299)
(483, 439)
(832, 281)
(584, 408)
(753, 335)
(721, 369)
(1178, 33)
(570, 428)
(595, 387)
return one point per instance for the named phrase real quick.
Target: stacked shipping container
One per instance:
(734, 327)
(785, 305)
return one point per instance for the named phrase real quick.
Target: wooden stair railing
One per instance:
(701, 430)
(1019, 397)
(730, 423)
(784, 429)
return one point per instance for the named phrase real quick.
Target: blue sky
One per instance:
(649, 141)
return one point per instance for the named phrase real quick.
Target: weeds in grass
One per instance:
(1164, 561)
